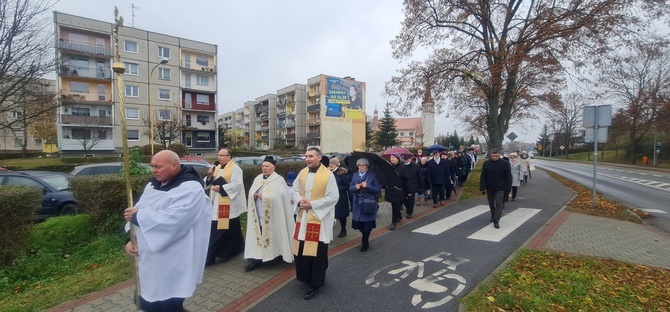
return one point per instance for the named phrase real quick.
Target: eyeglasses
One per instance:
(223, 155)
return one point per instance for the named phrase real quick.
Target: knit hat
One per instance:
(397, 156)
(290, 176)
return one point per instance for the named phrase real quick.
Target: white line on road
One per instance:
(662, 186)
(508, 223)
(442, 225)
(653, 211)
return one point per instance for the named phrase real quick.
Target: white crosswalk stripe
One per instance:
(655, 184)
(508, 223)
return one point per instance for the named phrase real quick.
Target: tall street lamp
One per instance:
(151, 105)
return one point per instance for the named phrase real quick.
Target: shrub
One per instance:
(61, 235)
(178, 148)
(104, 198)
(250, 172)
(146, 149)
(18, 208)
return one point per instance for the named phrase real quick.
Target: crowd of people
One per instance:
(180, 229)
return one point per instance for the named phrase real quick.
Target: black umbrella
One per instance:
(435, 148)
(383, 169)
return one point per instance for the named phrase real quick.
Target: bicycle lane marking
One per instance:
(508, 223)
(447, 223)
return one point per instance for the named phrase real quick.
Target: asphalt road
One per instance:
(641, 189)
(430, 263)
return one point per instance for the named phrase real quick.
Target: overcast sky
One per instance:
(266, 45)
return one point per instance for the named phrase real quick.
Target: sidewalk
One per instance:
(227, 287)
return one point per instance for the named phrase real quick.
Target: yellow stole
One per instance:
(313, 223)
(224, 201)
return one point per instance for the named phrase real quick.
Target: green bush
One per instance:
(18, 209)
(178, 148)
(250, 172)
(104, 198)
(61, 235)
(146, 149)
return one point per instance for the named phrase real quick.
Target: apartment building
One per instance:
(292, 115)
(173, 78)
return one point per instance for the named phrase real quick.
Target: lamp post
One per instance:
(151, 106)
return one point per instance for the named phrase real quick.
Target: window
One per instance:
(38, 141)
(78, 63)
(411, 133)
(16, 115)
(187, 100)
(133, 91)
(202, 99)
(203, 136)
(165, 114)
(202, 80)
(203, 119)
(130, 46)
(187, 80)
(201, 61)
(402, 134)
(132, 69)
(81, 134)
(133, 135)
(164, 73)
(164, 52)
(17, 142)
(81, 111)
(79, 87)
(132, 113)
(164, 94)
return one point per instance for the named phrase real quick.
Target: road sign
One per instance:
(562, 147)
(603, 114)
(589, 135)
(512, 136)
(659, 145)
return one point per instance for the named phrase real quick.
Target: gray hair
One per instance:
(363, 161)
(334, 161)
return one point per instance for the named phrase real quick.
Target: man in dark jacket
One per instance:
(439, 177)
(409, 174)
(495, 180)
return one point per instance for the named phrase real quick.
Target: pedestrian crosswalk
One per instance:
(510, 221)
(655, 184)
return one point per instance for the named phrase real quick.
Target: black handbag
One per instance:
(368, 205)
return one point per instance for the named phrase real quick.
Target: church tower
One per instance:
(428, 116)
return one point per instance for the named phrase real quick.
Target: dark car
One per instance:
(100, 168)
(56, 199)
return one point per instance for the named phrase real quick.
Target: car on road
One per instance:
(57, 200)
(195, 159)
(248, 160)
(100, 168)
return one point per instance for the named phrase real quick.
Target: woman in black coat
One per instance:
(396, 195)
(343, 180)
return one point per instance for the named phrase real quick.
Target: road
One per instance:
(635, 188)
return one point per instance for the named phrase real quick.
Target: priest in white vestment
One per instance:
(172, 230)
(270, 221)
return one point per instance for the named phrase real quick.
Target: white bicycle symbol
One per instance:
(423, 285)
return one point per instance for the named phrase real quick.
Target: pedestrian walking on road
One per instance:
(409, 173)
(396, 194)
(439, 177)
(172, 220)
(517, 173)
(343, 179)
(495, 180)
(366, 189)
(315, 191)
(424, 184)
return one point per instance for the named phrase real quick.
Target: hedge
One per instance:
(18, 208)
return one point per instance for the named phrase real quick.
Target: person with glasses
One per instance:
(366, 189)
(495, 180)
(226, 191)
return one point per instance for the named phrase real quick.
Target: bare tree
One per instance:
(26, 52)
(418, 134)
(568, 114)
(168, 126)
(639, 80)
(88, 138)
(495, 59)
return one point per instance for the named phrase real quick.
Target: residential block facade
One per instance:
(176, 76)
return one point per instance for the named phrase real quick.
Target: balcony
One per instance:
(265, 138)
(280, 125)
(68, 96)
(194, 66)
(281, 115)
(84, 48)
(313, 121)
(290, 136)
(314, 93)
(313, 108)
(86, 120)
(86, 72)
(290, 124)
(314, 135)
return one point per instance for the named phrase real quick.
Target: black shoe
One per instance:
(253, 264)
(311, 292)
(343, 233)
(392, 227)
(409, 216)
(365, 247)
(493, 220)
(513, 199)
(496, 224)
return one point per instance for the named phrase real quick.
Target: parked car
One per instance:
(56, 199)
(195, 159)
(196, 165)
(100, 168)
(292, 158)
(248, 160)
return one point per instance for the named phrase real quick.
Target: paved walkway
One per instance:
(227, 287)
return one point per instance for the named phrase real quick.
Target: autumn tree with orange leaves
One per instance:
(496, 61)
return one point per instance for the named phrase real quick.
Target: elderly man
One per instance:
(228, 202)
(315, 190)
(172, 220)
(439, 177)
(270, 218)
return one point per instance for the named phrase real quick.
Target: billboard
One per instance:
(344, 98)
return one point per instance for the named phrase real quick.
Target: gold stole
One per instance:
(224, 201)
(313, 223)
